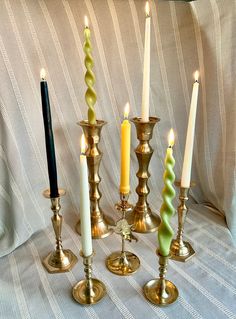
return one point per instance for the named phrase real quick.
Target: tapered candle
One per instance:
(125, 153)
(188, 154)
(50, 150)
(85, 222)
(165, 232)
(146, 67)
(90, 95)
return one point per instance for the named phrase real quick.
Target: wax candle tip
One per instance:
(43, 74)
(147, 9)
(171, 138)
(126, 110)
(196, 76)
(86, 23)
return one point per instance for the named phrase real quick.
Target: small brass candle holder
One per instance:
(142, 217)
(99, 222)
(59, 260)
(90, 290)
(181, 250)
(160, 291)
(123, 262)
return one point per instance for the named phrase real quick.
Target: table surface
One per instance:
(206, 283)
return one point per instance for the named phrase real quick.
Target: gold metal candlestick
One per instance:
(99, 222)
(123, 262)
(60, 260)
(90, 290)
(141, 217)
(160, 291)
(181, 250)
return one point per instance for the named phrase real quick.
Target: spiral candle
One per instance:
(165, 232)
(90, 95)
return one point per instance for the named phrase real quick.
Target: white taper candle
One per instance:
(85, 222)
(146, 68)
(188, 154)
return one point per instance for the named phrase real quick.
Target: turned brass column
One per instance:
(142, 217)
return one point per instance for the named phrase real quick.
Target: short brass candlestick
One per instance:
(90, 290)
(99, 222)
(160, 291)
(181, 250)
(60, 260)
(123, 262)
(142, 217)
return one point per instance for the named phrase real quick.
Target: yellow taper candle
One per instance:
(125, 153)
(165, 232)
(90, 95)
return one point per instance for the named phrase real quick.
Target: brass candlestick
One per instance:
(141, 217)
(59, 260)
(99, 222)
(123, 262)
(90, 290)
(160, 291)
(181, 250)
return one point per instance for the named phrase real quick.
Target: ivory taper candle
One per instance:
(86, 237)
(146, 67)
(188, 154)
(125, 153)
(165, 232)
(90, 95)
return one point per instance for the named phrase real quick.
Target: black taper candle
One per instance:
(49, 140)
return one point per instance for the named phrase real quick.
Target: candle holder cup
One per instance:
(142, 217)
(99, 222)
(123, 262)
(90, 290)
(180, 249)
(60, 260)
(160, 291)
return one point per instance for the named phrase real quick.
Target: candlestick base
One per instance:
(181, 250)
(160, 291)
(123, 263)
(90, 290)
(142, 217)
(84, 296)
(60, 260)
(99, 226)
(152, 291)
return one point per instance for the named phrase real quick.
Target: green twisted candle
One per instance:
(90, 95)
(165, 232)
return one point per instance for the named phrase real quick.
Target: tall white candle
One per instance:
(146, 67)
(85, 222)
(188, 154)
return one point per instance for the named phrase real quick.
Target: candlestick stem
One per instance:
(99, 221)
(90, 290)
(160, 291)
(60, 260)
(142, 217)
(180, 249)
(123, 262)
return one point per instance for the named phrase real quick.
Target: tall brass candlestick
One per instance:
(99, 222)
(60, 260)
(160, 291)
(181, 250)
(141, 217)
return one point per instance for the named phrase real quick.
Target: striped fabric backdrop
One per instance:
(184, 37)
